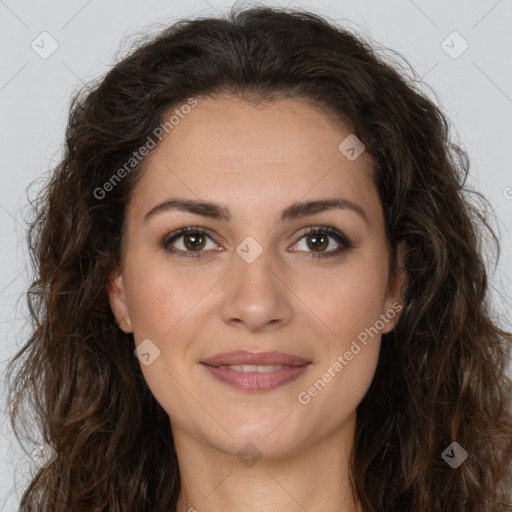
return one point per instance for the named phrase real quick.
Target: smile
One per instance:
(256, 377)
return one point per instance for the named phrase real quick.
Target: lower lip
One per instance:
(254, 381)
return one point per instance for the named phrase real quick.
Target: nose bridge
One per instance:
(255, 294)
(251, 272)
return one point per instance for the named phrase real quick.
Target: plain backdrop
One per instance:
(469, 71)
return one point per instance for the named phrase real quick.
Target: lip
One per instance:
(241, 357)
(219, 366)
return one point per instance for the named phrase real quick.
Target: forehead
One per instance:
(229, 126)
(260, 156)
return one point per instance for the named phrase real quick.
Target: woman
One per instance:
(260, 286)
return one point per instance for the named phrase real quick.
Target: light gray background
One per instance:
(474, 89)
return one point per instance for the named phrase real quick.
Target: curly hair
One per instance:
(442, 372)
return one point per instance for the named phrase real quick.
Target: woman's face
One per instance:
(255, 281)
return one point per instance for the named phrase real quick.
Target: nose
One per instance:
(256, 296)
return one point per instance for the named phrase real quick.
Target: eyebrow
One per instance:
(294, 211)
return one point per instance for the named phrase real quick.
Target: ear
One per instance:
(117, 299)
(393, 304)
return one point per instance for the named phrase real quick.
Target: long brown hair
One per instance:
(441, 376)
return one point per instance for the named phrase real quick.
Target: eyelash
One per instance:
(343, 240)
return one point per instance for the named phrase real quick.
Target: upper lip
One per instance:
(244, 357)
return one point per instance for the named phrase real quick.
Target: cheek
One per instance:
(350, 300)
(162, 310)
(163, 314)
(159, 300)
(351, 307)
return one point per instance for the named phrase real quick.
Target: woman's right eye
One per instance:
(193, 241)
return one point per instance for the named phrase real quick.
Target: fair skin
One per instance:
(256, 161)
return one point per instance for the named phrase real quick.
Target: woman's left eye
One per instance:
(319, 239)
(194, 240)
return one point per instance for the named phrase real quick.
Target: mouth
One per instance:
(263, 371)
(251, 368)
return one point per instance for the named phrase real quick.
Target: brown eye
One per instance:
(317, 240)
(192, 240)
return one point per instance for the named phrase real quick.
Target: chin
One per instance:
(257, 446)
(270, 436)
